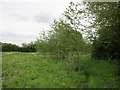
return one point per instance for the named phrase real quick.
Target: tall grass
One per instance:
(30, 70)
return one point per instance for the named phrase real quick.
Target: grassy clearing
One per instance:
(28, 70)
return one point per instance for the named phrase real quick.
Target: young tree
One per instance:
(107, 20)
(102, 29)
(62, 41)
(42, 44)
(81, 19)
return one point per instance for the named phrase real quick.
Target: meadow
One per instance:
(32, 70)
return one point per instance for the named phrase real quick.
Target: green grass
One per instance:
(0, 70)
(29, 70)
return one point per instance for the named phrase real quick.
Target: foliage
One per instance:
(107, 20)
(30, 47)
(62, 41)
(81, 19)
(8, 47)
(102, 28)
(0, 46)
(66, 40)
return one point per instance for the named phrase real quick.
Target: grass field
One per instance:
(30, 70)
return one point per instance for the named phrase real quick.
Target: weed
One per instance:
(27, 70)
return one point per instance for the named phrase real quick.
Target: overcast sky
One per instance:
(22, 20)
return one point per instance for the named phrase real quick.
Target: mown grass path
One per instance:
(30, 70)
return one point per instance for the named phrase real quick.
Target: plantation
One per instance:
(31, 70)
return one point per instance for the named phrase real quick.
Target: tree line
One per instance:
(8, 47)
(86, 27)
(62, 41)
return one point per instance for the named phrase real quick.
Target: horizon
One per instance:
(22, 21)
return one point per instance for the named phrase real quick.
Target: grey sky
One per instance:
(22, 20)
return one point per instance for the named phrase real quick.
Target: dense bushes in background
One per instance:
(102, 29)
(30, 47)
(0, 46)
(106, 45)
(8, 47)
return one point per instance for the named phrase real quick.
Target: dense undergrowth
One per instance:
(31, 70)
